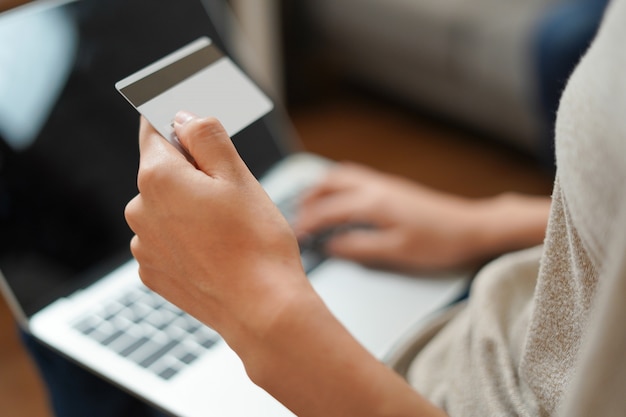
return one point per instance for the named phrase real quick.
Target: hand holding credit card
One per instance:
(197, 78)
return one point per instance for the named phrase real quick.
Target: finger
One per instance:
(132, 212)
(333, 210)
(363, 246)
(158, 159)
(342, 177)
(208, 144)
(135, 246)
(151, 142)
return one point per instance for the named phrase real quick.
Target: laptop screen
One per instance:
(68, 140)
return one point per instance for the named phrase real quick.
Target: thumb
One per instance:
(207, 142)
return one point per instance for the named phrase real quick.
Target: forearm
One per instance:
(509, 222)
(309, 362)
(209, 239)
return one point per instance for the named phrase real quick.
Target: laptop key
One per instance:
(160, 318)
(168, 373)
(188, 357)
(133, 346)
(148, 330)
(206, 337)
(87, 325)
(158, 354)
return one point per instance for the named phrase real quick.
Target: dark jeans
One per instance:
(75, 392)
(562, 37)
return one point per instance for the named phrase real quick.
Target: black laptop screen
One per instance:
(67, 173)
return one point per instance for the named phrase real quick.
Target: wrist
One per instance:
(507, 222)
(261, 307)
(308, 361)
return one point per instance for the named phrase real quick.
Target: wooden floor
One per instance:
(345, 127)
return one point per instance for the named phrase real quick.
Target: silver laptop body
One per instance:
(76, 289)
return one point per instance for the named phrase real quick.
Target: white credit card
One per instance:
(200, 79)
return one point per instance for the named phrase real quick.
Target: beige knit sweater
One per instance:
(544, 330)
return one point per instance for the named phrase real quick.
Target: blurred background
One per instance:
(460, 95)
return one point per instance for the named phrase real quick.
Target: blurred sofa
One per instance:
(481, 63)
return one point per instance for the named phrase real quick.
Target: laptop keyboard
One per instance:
(311, 252)
(145, 328)
(153, 333)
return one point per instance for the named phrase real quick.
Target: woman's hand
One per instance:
(207, 236)
(210, 240)
(414, 227)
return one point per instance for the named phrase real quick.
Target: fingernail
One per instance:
(183, 117)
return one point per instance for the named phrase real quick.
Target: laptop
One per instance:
(69, 157)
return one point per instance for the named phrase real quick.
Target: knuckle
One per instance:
(145, 277)
(133, 245)
(135, 249)
(149, 175)
(144, 176)
(211, 123)
(143, 270)
(130, 211)
(207, 127)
